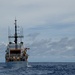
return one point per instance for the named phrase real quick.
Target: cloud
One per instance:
(47, 14)
(32, 36)
(2, 52)
(31, 13)
(47, 48)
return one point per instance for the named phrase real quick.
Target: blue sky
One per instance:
(48, 25)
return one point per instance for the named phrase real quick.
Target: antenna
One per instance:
(21, 33)
(9, 33)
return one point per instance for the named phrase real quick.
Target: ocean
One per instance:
(39, 68)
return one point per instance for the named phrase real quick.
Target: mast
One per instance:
(15, 34)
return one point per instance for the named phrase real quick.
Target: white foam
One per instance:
(28, 65)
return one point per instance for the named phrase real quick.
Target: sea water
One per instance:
(38, 68)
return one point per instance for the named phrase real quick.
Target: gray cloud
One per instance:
(33, 13)
(37, 12)
(32, 36)
(47, 48)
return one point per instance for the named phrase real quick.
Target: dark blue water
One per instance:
(40, 68)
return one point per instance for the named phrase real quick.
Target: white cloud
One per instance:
(2, 52)
(69, 47)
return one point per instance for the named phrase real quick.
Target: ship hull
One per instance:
(17, 64)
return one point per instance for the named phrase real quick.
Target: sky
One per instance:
(48, 28)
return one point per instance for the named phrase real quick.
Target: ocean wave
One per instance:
(39, 69)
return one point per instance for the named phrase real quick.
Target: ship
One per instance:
(15, 51)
